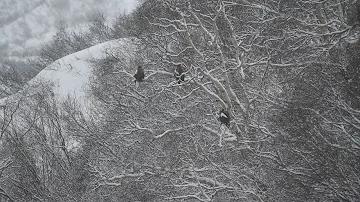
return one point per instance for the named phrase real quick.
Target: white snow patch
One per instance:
(70, 74)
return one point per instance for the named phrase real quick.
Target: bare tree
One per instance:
(286, 71)
(264, 62)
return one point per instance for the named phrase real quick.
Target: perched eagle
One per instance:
(224, 117)
(139, 75)
(179, 74)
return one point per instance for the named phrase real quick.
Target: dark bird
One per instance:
(179, 73)
(224, 117)
(139, 75)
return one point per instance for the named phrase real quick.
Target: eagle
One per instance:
(179, 73)
(139, 75)
(224, 117)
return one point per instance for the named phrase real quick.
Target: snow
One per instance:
(70, 74)
(69, 77)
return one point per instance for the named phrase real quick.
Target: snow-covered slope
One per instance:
(26, 24)
(68, 77)
(70, 74)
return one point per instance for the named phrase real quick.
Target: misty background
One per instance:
(24, 25)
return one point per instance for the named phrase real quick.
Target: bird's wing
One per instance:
(223, 115)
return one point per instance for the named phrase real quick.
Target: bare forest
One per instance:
(240, 100)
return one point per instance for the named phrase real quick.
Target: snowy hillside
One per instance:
(70, 75)
(29, 23)
(231, 101)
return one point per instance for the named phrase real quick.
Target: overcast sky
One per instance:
(129, 4)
